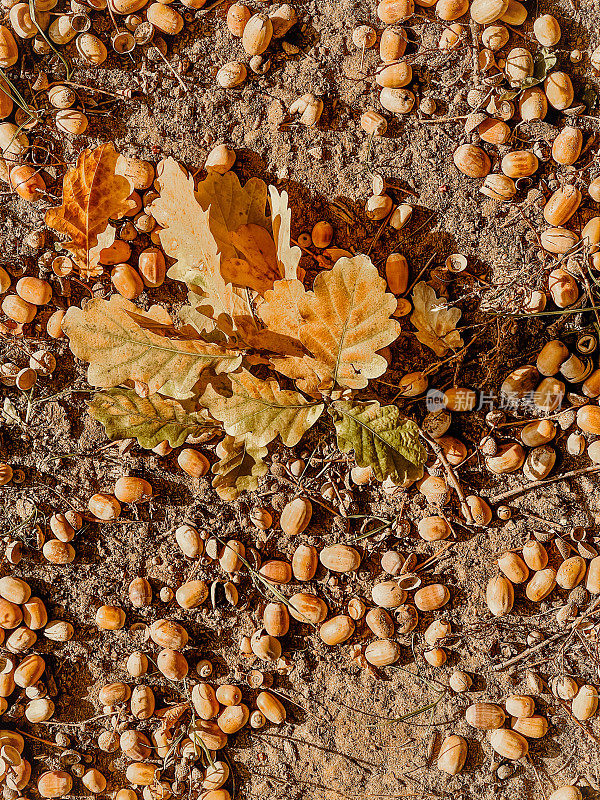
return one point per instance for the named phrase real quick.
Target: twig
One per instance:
(452, 479)
(432, 558)
(536, 647)
(538, 484)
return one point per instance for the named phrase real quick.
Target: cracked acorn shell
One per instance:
(452, 755)
(539, 462)
(509, 458)
(499, 187)
(306, 607)
(436, 631)
(519, 65)
(537, 433)
(407, 618)
(480, 510)
(558, 240)
(533, 727)
(266, 647)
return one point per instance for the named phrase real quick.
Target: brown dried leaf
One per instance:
(238, 469)
(186, 235)
(118, 350)
(347, 319)
(258, 269)
(259, 410)
(93, 192)
(280, 310)
(288, 257)
(434, 321)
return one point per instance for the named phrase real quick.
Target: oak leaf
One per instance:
(94, 191)
(380, 438)
(238, 469)
(288, 257)
(150, 420)
(118, 349)
(258, 410)
(186, 236)
(280, 309)
(346, 320)
(434, 321)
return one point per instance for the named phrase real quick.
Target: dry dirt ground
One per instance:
(343, 737)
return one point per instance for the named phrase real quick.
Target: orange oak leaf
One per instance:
(94, 191)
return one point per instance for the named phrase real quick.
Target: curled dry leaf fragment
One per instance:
(434, 321)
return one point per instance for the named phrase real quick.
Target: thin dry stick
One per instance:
(541, 520)
(452, 479)
(432, 558)
(537, 777)
(536, 647)
(538, 484)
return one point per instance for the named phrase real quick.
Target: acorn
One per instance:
(509, 744)
(499, 596)
(452, 754)
(485, 716)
